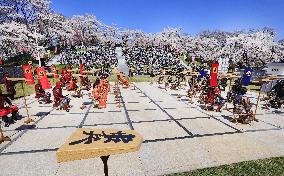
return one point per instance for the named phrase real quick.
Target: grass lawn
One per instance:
(265, 167)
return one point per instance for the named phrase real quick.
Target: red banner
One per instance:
(41, 73)
(214, 75)
(82, 68)
(28, 74)
(54, 71)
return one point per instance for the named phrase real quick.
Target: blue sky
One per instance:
(193, 16)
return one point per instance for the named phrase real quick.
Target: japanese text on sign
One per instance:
(112, 137)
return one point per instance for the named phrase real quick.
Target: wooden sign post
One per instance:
(231, 77)
(2, 137)
(91, 72)
(28, 119)
(87, 143)
(262, 81)
(118, 93)
(116, 96)
(193, 74)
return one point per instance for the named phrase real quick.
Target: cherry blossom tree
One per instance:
(27, 24)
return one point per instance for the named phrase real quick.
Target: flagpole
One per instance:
(29, 120)
(2, 137)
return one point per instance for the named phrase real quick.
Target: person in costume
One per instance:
(6, 108)
(57, 93)
(10, 86)
(41, 95)
(72, 85)
(40, 92)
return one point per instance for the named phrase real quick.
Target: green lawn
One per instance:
(265, 167)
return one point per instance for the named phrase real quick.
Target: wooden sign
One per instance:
(235, 76)
(236, 73)
(190, 72)
(275, 77)
(230, 75)
(194, 74)
(87, 143)
(91, 71)
(78, 75)
(185, 71)
(88, 72)
(16, 79)
(262, 80)
(72, 70)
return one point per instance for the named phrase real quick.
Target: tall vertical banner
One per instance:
(54, 71)
(214, 75)
(28, 74)
(247, 76)
(42, 77)
(82, 68)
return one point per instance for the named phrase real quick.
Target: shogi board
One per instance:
(87, 143)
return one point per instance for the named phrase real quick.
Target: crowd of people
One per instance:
(150, 59)
(99, 56)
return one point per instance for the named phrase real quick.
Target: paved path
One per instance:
(121, 61)
(178, 137)
(54, 60)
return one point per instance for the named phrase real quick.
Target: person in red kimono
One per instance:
(41, 95)
(65, 77)
(10, 86)
(39, 90)
(103, 89)
(57, 93)
(72, 85)
(7, 109)
(70, 67)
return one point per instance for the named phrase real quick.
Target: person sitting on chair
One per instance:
(6, 110)
(72, 85)
(39, 90)
(10, 86)
(57, 93)
(41, 95)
